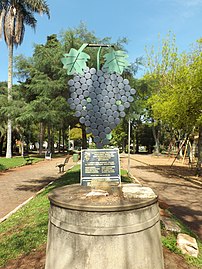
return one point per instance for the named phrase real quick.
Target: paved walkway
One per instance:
(182, 195)
(20, 184)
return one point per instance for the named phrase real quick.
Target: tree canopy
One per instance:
(176, 88)
(167, 103)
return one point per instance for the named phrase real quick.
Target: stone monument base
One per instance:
(104, 232)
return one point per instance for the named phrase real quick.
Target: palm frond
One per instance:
(9, 26)
(38, 6)
(30, 20)
(15, 14)
(2, 17)
(19, 29)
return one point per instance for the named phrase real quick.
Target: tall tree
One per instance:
(161, 73)
(45, 89)
(14, 15)
(177, 98)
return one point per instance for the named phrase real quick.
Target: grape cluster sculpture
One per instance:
(98, 97)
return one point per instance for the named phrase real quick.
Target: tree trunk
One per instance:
(84, 138)
(136, 141)
(22, 146)
(156, 135)
(199, 152)
(1, 145)
(49, 138)
(124, 145)
(59, 140)
(63, 140)
(192, 151)
(52, 141)
(134, 144)
(10, 83)
(41, 138)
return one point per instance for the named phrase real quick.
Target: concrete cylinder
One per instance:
(102, 233)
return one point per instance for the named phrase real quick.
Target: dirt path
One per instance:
(20, 184)
(183, 195)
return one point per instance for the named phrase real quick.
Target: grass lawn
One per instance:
(27, 228)
(6, 163)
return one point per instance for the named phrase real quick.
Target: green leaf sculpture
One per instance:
(75, 60)
(115, 61)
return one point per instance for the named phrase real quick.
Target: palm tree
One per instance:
(14, 15)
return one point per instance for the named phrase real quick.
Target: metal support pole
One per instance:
(98, 58)
(69, 138)
(100, 45)
(129, 147)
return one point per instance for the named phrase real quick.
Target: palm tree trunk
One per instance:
(10, 83)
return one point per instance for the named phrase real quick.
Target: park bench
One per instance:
(61, 166)
(28, 159)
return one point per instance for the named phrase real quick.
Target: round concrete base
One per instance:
(102, 233)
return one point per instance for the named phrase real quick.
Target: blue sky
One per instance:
(140, 21)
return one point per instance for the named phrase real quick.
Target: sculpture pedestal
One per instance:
(102, 233)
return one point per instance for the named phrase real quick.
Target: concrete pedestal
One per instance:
(102, 233)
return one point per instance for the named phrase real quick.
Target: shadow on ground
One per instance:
(35, 185)
(191, 218)
(178, 171)
(181, 194)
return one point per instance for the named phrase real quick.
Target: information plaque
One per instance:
(100, 164)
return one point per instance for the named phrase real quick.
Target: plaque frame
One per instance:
(93, 167)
